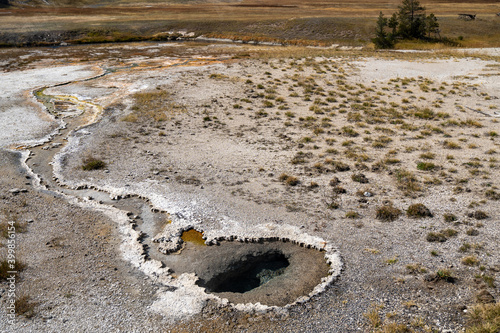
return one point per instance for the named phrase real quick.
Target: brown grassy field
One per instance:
(350, 22)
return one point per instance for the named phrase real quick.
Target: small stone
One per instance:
(18, 190)
(485, 297)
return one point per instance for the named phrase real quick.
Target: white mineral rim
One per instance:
(180, 297)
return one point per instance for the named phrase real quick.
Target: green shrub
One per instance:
(425, 166)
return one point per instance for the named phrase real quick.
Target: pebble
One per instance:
(18, 190)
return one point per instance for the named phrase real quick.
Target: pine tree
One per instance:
(409, 22)
(431, 25)
(393, 24)
(411, 19)
(382, 39)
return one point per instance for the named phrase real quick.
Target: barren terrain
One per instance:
(384, 163)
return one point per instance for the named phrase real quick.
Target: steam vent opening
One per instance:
(274, 273)
(250, 273)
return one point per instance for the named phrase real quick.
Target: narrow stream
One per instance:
(146, 221)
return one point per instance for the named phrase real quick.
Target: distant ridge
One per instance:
(99, 3)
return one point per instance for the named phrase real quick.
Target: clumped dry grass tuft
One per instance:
(449, 218)
(289, 180)
(373, 316)
(395, 328)
(484, 318)
(436, 237)
(18, 227)
(407, 182)
(470, 261)
(5, 267)
(388, 213)
(479, 215)
(351, 215)
(416, 268)
(445, 275)
(25, 306)
(418, 211)
(92, 163)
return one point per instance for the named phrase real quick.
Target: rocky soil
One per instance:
(318, 148)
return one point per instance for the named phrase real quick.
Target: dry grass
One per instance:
(484, 318)
(388, 213)
(295, 23)
(418, 211)
(373, 316)
(153, 106)
(92, 163)
(5, 267)
(25, 306)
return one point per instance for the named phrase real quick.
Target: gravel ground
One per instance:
(214, 163)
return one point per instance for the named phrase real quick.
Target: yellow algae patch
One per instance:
(193, 236)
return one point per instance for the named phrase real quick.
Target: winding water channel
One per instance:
(139, 222)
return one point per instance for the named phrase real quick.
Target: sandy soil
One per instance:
(358, 133)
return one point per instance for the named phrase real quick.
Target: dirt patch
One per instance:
(219, 165)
